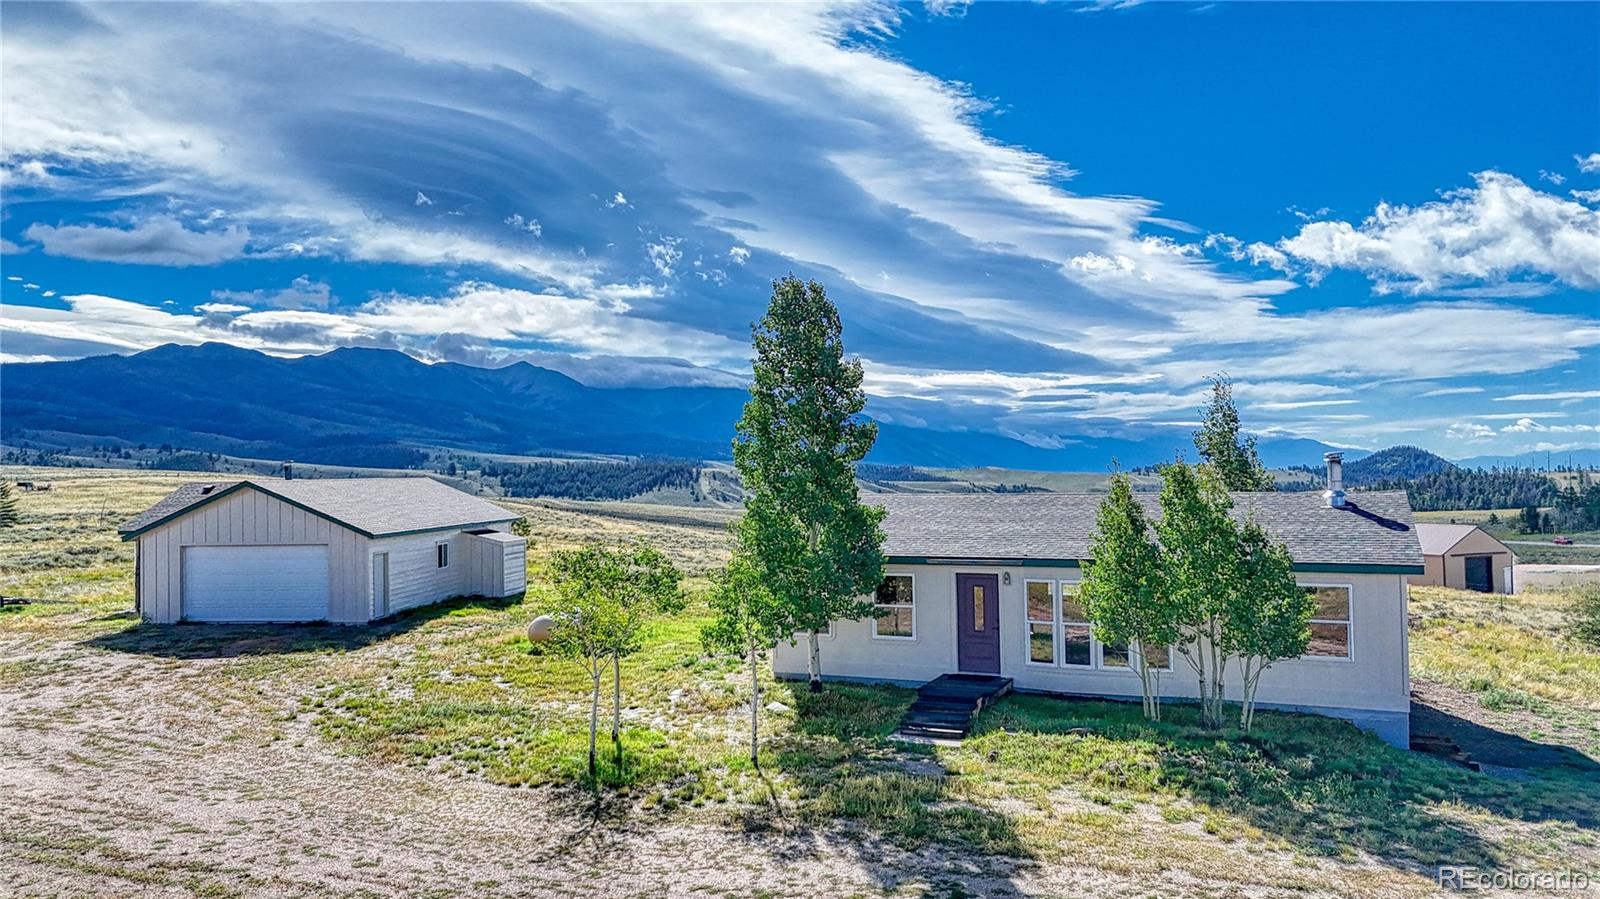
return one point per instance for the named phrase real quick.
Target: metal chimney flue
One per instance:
(1335, 492)
(288, 470)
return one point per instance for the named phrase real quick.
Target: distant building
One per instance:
(1465, 557)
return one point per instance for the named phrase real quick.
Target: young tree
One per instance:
(605, 597)
(9, 514)
(748, 621)
(1124, 591)
(1231, 457)
(1268, 614)
(796, 448)
(1199, 555)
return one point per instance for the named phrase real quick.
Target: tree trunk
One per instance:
(594, 723)
(755, 708)
(814, 666)
(616, 703)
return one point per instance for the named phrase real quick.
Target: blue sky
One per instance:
(1043, 221)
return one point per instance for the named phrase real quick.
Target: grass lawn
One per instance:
(1054, 794)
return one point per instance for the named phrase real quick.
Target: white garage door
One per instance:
(255, 583)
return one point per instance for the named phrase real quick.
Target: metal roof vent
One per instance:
(206, 490)
(1335, 492)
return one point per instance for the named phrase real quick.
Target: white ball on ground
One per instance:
(539, 628)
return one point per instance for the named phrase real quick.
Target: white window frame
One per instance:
(1058, 625)
(1061, 630)
(1349, 623)
(912, 605)
(1055, 624)
(441, 550)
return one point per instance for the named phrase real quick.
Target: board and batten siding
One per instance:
(251, 518)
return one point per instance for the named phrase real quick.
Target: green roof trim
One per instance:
(1309, 567)
(213, 497)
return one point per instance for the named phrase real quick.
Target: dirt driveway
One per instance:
(125, 774)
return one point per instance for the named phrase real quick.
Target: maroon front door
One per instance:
(978, 623)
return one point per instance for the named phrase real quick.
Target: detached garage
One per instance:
(346, 550)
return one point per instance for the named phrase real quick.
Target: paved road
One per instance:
(1548, 543)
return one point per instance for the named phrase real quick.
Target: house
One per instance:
(346, 550)
(987, 584)
(1465, 557)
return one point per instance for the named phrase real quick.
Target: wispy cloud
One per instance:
(161, 240)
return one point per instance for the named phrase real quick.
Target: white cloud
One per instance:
(1469, 431)
(1532, 425)
(1555, 178)
(664, 255)
(422, 200)
(738, 255)
(1586, 196)
(1499, 230)
(161, 240)
(302, 293)
(221, 308)
(1588, 164)
(1450, 391)
(1556, 395)
(530, 225)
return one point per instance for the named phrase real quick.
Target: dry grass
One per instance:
(451, 711)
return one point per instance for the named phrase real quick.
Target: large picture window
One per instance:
(894, 611)
(1330, 623)
(1041, 622)
(1059, 633)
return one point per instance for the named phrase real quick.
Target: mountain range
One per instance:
(220, 398)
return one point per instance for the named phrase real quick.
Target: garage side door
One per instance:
(255, 583)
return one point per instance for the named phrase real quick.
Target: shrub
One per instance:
(1583, 615)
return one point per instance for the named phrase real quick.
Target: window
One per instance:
(1041, 622)
(1330, 623)
(441, 553)
(1053, 608)
(894, 613)
(1076, 640)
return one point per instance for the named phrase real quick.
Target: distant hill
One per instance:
(357, 406)
(1394, 463)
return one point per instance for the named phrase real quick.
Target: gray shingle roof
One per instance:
(1438, 538)
(373, 506)
(1373, 528)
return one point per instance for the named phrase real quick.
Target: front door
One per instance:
(978, 623)
(1480, 573)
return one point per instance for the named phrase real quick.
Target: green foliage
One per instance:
(604, 596)
(1234, 460)
(1199, 556)
(522, 527)
(593, 480)
(796, 449)
(748, 619)
(1124, 590)
(9, 514)
(1268, 614)
(1583, 616)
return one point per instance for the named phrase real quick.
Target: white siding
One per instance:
(415, 579)
(248, 517)
(255, 583)
(1375, 677)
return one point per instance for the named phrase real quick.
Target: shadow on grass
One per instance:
(1497, 747)
(844, 785)
(1319, 783)
(220, 641)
